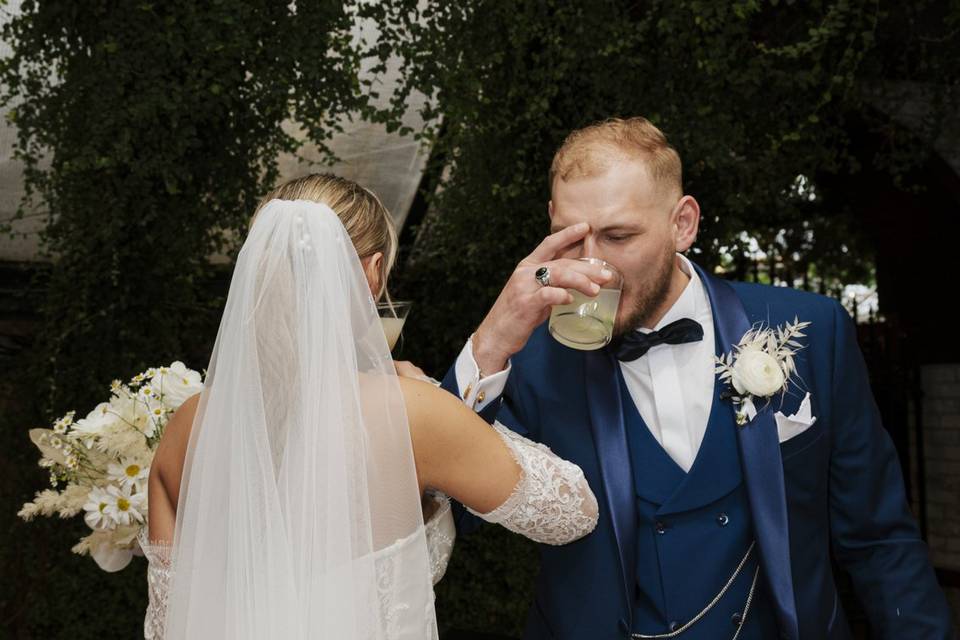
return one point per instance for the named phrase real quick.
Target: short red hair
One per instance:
(590, 151)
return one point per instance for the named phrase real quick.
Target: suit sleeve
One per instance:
(874, 534)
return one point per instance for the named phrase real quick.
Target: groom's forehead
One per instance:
(616, 175)
(617, 197)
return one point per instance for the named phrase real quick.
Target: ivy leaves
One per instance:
(148, 132)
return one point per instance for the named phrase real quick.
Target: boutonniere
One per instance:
(760, 366)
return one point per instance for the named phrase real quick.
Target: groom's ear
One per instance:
(686, 223)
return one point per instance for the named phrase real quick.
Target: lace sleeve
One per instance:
(552, 502)
(159, 571)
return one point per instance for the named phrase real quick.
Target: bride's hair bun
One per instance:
(365, 218)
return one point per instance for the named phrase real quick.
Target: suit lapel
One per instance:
(610, 438)
(761, 464)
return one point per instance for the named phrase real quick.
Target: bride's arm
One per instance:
(166, 470)
(499, 475)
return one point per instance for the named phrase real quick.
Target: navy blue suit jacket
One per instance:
(836, 486)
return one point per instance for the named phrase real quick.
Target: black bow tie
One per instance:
(634, 344)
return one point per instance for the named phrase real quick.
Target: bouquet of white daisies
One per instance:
(99, 464)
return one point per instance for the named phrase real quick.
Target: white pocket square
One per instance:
(792, 426)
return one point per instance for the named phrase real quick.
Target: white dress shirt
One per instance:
(671, 385)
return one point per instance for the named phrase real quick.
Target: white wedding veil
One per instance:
(299, 512)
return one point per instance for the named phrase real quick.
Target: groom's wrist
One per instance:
(489, 359)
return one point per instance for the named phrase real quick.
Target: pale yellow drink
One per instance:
(587, 322)
(392, 316)
(392, 328)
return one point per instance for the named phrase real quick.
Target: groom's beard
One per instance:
(650, 295)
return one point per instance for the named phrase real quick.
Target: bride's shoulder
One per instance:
(181, 420)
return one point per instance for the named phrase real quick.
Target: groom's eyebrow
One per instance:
(629, 228)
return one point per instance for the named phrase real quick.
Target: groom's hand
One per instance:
(524, 303)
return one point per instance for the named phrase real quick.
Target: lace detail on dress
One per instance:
(398, 617)
(159, 572)
(552, 502)
(441, 534)
(402, 619)
(388, 567)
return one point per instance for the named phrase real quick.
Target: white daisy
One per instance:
(128, 474)
(125, 507)
(61, 425)
(95, 507)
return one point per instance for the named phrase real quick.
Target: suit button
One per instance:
(723, 520)
(661, 527)
(736, 619)
(673, 626)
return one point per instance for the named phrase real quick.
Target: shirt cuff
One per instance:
(474, 392)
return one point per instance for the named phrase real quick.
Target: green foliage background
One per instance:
(149, 129)
(753, 94)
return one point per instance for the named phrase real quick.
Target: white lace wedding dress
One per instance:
(551, 503)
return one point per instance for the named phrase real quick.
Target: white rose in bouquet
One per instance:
(176, 383)
(96, 421)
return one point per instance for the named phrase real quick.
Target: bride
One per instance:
(294, 487)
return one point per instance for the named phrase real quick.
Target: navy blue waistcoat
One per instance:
(693, 530)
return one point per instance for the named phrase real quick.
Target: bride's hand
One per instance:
(407, 369)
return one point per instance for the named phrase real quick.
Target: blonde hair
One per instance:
(592, 149)
(366, 220)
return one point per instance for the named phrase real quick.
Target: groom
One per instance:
(709, 529)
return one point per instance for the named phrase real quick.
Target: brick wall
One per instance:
(941, 443)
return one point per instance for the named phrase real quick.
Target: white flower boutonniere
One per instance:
(761, 365)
